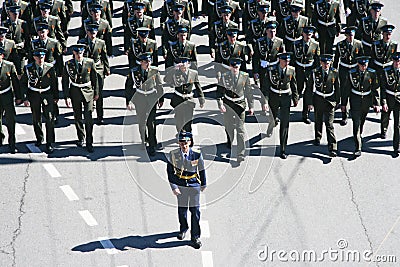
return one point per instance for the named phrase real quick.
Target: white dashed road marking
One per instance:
(88, 218)
(51, 170)
(108, 245)
(207, 258)
(203, 202)
(19, 130)
(69, 193)
(205, 229)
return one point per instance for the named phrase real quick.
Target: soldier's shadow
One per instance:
(308, 150)
(135, 242)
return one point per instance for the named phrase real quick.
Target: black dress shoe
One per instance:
(332, 153)
(196, 243)
(383, 135)
(159, 146)
(55, 121)
(152, 151)
(100, 121)
(316, 142)
(283, 155)
(277, 120)
(38, 143)
(12, 149)
(240, 159)
(270, 131)
(357, 153)
(49, 149)
(90, 148)
(343, 122)
(80, 143)
(181, 235)
(306, 120)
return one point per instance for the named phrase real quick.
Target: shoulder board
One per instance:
(135, 68)
(234, 24)
(151, 41)
(48, 64)
(377, 42)
(279, 39)
(169, 20)
(36, 19)
(8, 62)
(365, 18)
(334, 70)
(287, 18)
(154, 68)
(356, 41)
(253, 20)
(53, 17)
(394, 42)
(272, 67)
(147, 17)
(371, 70)
(175, 151)
(313, 41)
(29, 65)
(353, 70)
(190, 43)
(319, 2)
(86, 21)
(387, 68)
(383, 18)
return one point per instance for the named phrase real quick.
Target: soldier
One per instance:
(306, 54)
(104, 31)
(266, 53)
(187, 177)
(252, 9)
(218, 30)
(9, 88)
(216, 15)
(57, 9)
(96, 50)
(231, 96)
(184, 80)
(181, 48)
(40, 84)
(141, 45)
(355, 10)
(257, 27)
(144, 89)
(381, 57)
(322, 94)
(345, 57)
(326, 18)
(279, 89)
(80, 88)
(105, 11)
(69, 10)
(26, 10)
(281, 9)
(128, 9)
(168, 10)
(370, 29)
(54, 23)
(53, 55)
(10, 50)
(390, 98)
(362, 88)
(171, 26)
(138, 20)
(18, 32)
(292, 26)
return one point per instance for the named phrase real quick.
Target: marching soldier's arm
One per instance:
(256, 60)
(337, 88)
(345, 92)
(164, 14)
(15, 58)
(93, 79)
(82, 31)
(104, 59)
(199, 90)
(202, 171)
(16, 83)
(3, 12)
(65, 82)
(266, 85)
(155, 55)
(164, 40)
(127, 39)
(60, 35)
(336, 57)
(152, 33)
(338, 20)
(212, 40)
(108, 40)
(383, 85)
(308, 92)
(193, 59)
(23, 85)
(69, 7)
(107, 11)
(375, 90)
(129, 89)
(59, 59)
(293, 87)
(54, 83)
(316, 58)
(171, 175)
(160, 88)
(63, 16)
(249, 92)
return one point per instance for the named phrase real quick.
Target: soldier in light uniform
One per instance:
(10, 50)
(390, 98)
(361, 89)
(140, 45)
(322, 94)
(96, 50)
(292, 26)
(235, 87)
(80, 88)
(326, 18)
(370, 29)
(279, 90)
(9, 89)
(355, 10)
(185, 81)
(143, 88)
(181, 48)
(345, 57)
(40, 84)
(306, 54)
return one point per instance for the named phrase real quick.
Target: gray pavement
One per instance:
(56, 209)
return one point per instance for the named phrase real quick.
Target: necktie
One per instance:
(305, 48)
(362, 77)
(282, 74)
(40, 71)
(145, 75)
(185, 156)
(269, 44)
(79, 67)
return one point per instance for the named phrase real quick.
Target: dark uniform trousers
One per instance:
(99, 101)
(8, 109)
(393, 106)
(343, 74)
(302, 75)
(324, 112)
(78, 100)
(45, 102)
(359, 110)
(281, 103)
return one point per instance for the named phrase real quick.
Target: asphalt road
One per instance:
(115, 208)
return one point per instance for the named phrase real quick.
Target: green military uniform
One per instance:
(281, 8)
(279, 88)
(358, 10)
(345, 59)
(25, 13)
(9, 88)
(370, 31)
(326, 18)
(177, 49)
(390, 96)
(96, 50)
(323, 92)
(214, 13)
(362, 90)
(137, 47)
(41, 86)
(232, 94)
(255, 31)
(128, 9)
(10, 52)
(144, 89)
(250, 14)
(306, 55)
(55, 30)
(167, 11)
(53, 53)
(105, 11)
(183, 98)
(217, 33)
(104, 33)
(170, 31)
(80, 85)
(226, 50)
(291, 30)
(130, 30)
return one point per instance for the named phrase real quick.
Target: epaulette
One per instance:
(253, 20)
(196, 150)
(217, 22)
(377, 42)
(287, 18)
(371, 70)
(387, 68)
(319, 2)
(48, 64)
(365, 18)
(29, 65)
(334, 70)
(153, 68)
(273, 67)
(353, 70)
(394, 42)
(136, 68)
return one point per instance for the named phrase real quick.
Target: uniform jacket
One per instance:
(53, 53)
(218, 33)
(32, 79)
(137, 47)
(8, 77)
(381, 53)
(104, 32)
(10, 54)
(274, 80)
(105, 11)
(264, 53)
(187, 50)
(369, 33)
(390, 86)
(319, 84)
(55, 30)
(306, 57)
(25, 13)
(290, 28)
(134, 23)
(20, 35)
(346, 55)
(326, 13)
(98, 52)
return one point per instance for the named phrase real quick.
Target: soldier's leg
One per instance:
(330, 131)
(301, 78)
(2, 136)
(284, 127)
(77, 108)
(194, 208)
(56, 112)
(183, 201)
(88, 109)
(322, 39)
(239, 120)
(274, 108)
(36, 104)
(229, 122)
(396, 126)
(10, 119)
(384, 122)
(364, 113)
(99, 102)
(151, 127)
(141, 114)
(356, 118)
(179, 117)
(343, 72)
(47, 107)
(329, 44)
(188, 117)
(318, 116)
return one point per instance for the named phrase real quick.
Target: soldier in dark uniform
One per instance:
(171, 26)
(235, 87)
(370, 28)
(144, 89)
(57, 9)
(96, 50)
(10, 50)
(381, 57)
(181, 48)
(54, 23)
(326, 18)
(390, 98)
(345, 57)
(216, 15)
(292, 27)
(80, 88)
(281, 9)
(306, 54)
(185, 81)
(279, 89)
(167, 11)
(9, 88)
(105, 11)
(18, 32)
(40, 84)
(187, 177)
(218, 30)
(26, 10)
(361, 87)
(141, 45)
(322, 94)
(69, 10)
(104, 32)
(136, 21)
(257, 27)
(355, 10)
(128, 9)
